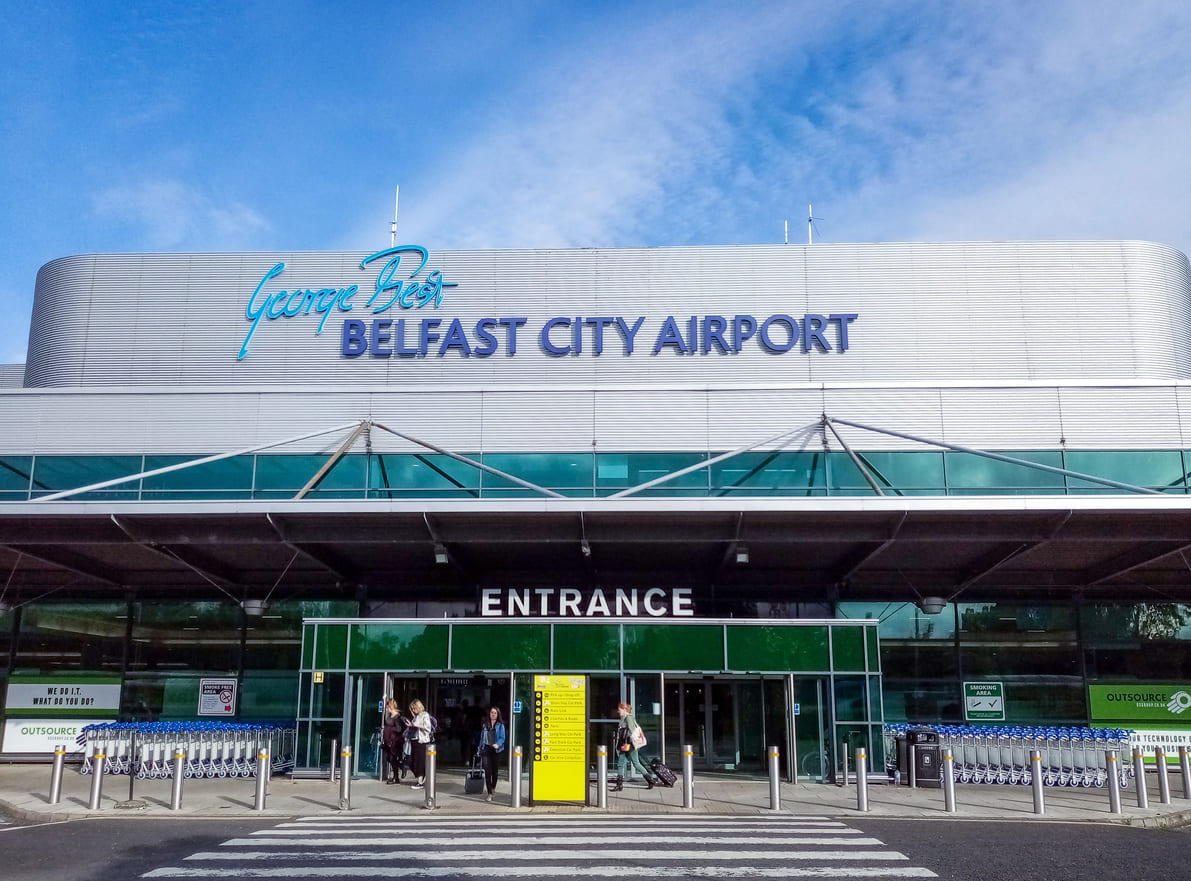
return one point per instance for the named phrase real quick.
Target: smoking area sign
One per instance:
(984, 701)
(559, 770)
(217, 697)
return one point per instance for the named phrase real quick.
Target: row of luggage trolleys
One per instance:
(1000, 754)
(213, 749)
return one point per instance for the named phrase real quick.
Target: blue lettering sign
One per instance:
(409, 292)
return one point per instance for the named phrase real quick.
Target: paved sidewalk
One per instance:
(24, 796)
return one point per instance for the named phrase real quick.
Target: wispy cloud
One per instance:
(169, 213)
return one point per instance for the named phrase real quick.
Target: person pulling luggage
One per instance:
(492, 744)
(629, 740)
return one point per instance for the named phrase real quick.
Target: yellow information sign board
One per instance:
(559, 739)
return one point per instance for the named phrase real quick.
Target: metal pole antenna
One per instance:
(810, 216)
(393, 227)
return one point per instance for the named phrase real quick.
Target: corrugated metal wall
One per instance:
(1051, 311)
(1029, 417)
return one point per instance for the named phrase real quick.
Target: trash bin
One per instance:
(928, 758)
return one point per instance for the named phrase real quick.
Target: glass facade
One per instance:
(1045, 654)
(727, 685)
(161, 649)
(396, 476)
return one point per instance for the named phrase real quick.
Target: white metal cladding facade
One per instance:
(1020, 312)
(207, 421)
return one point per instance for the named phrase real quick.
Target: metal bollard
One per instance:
(98, 761)
(56, 775)
(602, 777)
(775, 795)
(179, 774)
(1163, 780)
(948, 782)
(1036, 780)
(1114, 780)
(515, 782)
(688, 776)
(345, 779)
(431, 776)
(912, 755)
(861, 779)
(263, 768)
(1139, 773)
(1185, 769)
(334, 760)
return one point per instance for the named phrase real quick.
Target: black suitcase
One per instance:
(664, 774)
(473, 783)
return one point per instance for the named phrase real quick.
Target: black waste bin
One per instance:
(928, 758)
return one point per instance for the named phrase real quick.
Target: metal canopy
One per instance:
(878, 549)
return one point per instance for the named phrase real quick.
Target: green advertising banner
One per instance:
(1140, 703)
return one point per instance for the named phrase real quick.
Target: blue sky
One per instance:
(167, 126)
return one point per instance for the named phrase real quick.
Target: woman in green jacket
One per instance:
(625, 746)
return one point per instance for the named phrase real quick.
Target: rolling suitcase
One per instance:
(665, 776)
(473, 783)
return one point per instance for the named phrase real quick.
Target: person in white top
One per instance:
(424, 729)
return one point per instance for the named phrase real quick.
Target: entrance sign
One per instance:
(570, 602)
(66, 696)
(217, 697)
(984, 702)
(559, 771)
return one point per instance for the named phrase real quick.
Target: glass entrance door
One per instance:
(727, 722)
(812, 725)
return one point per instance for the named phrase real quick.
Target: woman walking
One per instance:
(629, 737)
(393, 742)
(492, 744)
(423, 729)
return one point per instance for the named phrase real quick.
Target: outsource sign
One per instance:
(45, 735)
(1141, 703)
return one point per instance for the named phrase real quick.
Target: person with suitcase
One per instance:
(629, 740)
(492, 745)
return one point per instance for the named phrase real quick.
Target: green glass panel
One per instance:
(308, 647)
(587, 647)
(327, 696)
(194, 636)
(685, 648)
(850, 702)
(275, 473)
(430, 476)
(399, 647)
(227, 478)
(896, 473)
(622, 470)
(847, 648)
(764, 473)
(966, 471)
(15, 472)
(874, 697)
(874, 649)
(56, 473)
(1153, 469)
(556, 471)
(330, 647)
(777, 649)
(268, 694)
(500, 647)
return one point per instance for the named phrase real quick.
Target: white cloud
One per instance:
(168, 214)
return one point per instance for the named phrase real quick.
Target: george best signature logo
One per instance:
(409, 292)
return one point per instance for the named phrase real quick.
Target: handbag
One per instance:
(637, 737)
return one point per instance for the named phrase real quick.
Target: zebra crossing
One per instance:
(551, 846)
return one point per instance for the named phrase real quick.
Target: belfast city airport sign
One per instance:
(375, 322)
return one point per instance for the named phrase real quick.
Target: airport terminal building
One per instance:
(769, 494)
